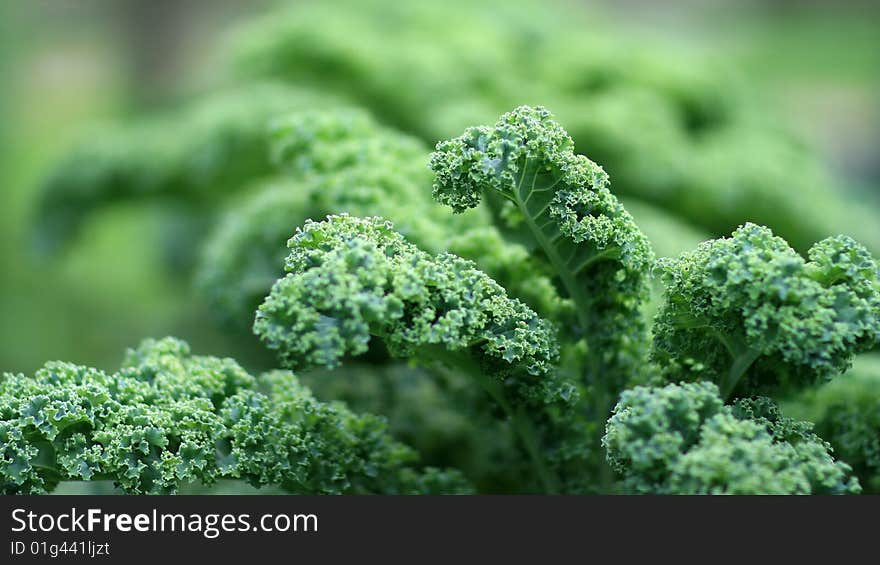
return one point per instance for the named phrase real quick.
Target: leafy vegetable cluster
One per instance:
(497, 306)
(168, 418)
(682, 439)
(750, 312)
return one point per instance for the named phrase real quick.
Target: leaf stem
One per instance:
(742, 358)
(738, 367)
(519, 420)
(601, 401)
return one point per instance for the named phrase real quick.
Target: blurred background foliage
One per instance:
(127, 129)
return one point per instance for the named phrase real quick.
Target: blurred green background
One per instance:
(809, 68)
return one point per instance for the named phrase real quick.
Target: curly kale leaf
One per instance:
(168, 418)
(682, 439)
(353, 280)
(752, 315)
(543, 193)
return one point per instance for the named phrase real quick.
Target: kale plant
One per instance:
(494, 294)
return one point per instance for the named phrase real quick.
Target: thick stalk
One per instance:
(738, 368)
(519, 420)
(600, 396)
(742, 358)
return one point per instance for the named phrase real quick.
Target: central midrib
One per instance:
(567, 277)
(577, 295)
